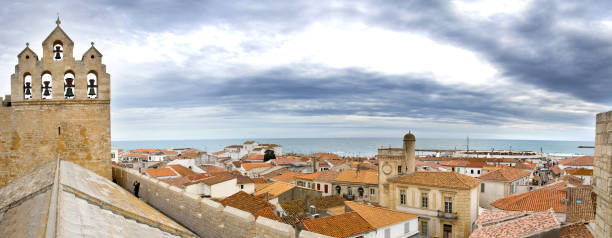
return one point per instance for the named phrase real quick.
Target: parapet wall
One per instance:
(602, 174)
(203, 216)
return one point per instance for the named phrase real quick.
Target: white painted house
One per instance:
(387, 223)
(220, 186)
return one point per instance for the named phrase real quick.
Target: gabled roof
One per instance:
(241, 179)
(493, 216)
(28, 50)
(58, 30)
(452, 180)
(181, 170)
(575, 230)
(364, 176)
(218, 179)
(327, 176)
(536, 200)
(506, 174)
(520, 227)
(343, 225)
(275, 189)
(571, 179)
(259, 180)
(578, 161)
(251, 204)
(91, 50)
(249, 166)
(525, 166)
(90, 201)
(309, 176)
(379, 217)
(163, 172)
(286, 177)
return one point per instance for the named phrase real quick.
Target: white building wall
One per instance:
(493, 191)
(195, 189)
(247, 188)
(397, 230)
(224, 189)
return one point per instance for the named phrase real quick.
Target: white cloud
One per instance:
(489, 8)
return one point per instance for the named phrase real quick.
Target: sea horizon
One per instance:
(366, 146)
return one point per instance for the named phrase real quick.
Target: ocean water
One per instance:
(368, 146)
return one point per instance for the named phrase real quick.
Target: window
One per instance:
(27, 86)
(92, 86)
(338, 189)
(350, 191)
(478, 171)
(372, 191)
(458, 170)
(403, 197)
(318, 187)
(424, 201)
(47, 86)
(241, 186)
(360, 191)
(423, 228)
(448, 204)
(482, 187)
(471, 171)
(511, 188)
(326, 188)
(69, 85)
(387, 233)
(578, 201)
(399, 169)
(406, 227)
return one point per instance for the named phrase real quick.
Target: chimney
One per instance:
(409, 141)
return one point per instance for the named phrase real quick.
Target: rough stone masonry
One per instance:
(602, 174)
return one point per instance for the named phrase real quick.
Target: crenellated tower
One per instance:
(59, 106)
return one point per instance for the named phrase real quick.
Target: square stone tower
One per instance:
(58, 106)
(602, 174)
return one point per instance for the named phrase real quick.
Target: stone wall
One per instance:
(602, 174)
(37, 132)
(203, 216)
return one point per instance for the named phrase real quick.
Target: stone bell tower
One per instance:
(394, 162)
(59, 107)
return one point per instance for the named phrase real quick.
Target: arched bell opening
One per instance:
(92, 85)
(47, 86)
(69, 85)
(58, 51)
(27, 86)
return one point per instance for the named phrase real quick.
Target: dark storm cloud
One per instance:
(542, 47)
(340, 92)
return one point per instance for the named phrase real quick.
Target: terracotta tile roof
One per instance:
(148, 151)
(163, 172)
(209, 168)
(249, 166)
(286, 177)
(259, 180)
(276, 172)
(578, 161)
(327, 176)
(309, 176)
(492, 216)
(556, 170)
(177, 182)
(274, 189)
(260, 186)
(365, 176)
(520, 227)
(580, 205)
(575, 230)
(241, 179)
(251, 204)
(452, 180)
(573, 180)
(343, 225)
(181, 170)
(287, 160)
(379, 217)
(326, 156)
(536, 200)
(255, 157)
(236, 164)
(525, 166)
(218, 179)
(582, 172)
(506, 174)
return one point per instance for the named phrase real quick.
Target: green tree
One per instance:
(268, 155)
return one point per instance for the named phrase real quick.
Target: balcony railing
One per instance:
(447, 215)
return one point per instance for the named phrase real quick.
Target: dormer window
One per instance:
(69, 85)
(58, 51)
(47, 86)
(27, 86)
(92, 85)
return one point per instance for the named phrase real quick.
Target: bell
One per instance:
(57, 55)
(92, 92)
(46, 92)
(27, 91)
(92, 83)
(69, 93)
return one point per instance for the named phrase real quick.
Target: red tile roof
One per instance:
(163, 172)
(580, 205)
(309, 176)
(520, 227)
(556, 170)
(578, 161)
(181, 170)
(379, 217)
(452, 180)
(505, 174)
(249, 166)
(364, 176)
(575, 230)
(259, 180)
(573, 180)
(218, 179)
(493, 216)
(582, 172)
(525, 166)
(343, 225)
(249, 203)
(537, 200)
(286, 177)
(327, 176)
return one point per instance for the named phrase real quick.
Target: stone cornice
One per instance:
(59, 102)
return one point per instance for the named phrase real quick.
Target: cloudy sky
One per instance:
(286, 69)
